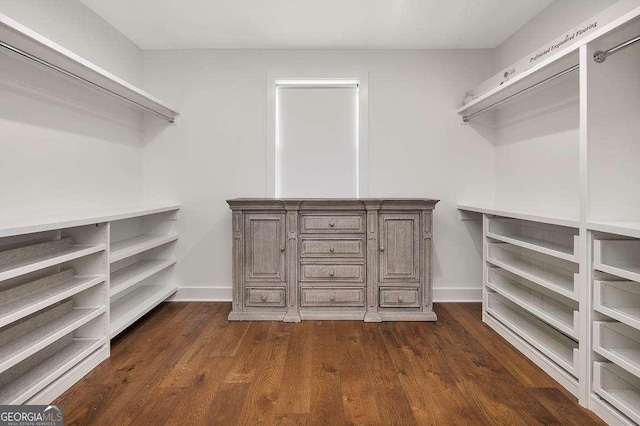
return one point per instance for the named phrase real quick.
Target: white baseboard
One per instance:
(457, 295)
(223, 294)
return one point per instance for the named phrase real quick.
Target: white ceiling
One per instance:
(368, 24)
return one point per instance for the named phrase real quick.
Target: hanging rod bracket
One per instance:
(600, 56)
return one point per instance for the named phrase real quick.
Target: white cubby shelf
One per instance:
(552, 240)
(138, 244)
(129, 276)
(127, 310)
(554, 274)
(29, 344)
(619, 300)
(618, 257)
(618, 343)
(557, 347)
(618, 387)
(555, 310)
(55, 253)
(20, 390)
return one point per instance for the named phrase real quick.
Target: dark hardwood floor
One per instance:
(184, 364)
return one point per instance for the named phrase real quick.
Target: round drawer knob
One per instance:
(332, 298)
(332, 273)
(332, 224)
(331, 249)
(263, 297)
(400, 299)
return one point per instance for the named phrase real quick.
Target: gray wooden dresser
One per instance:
(332, 259)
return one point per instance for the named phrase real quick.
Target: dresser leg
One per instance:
(292, 317)
(372, 317)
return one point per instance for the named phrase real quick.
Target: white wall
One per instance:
(63, 145)
(417, 147)
(552, 22)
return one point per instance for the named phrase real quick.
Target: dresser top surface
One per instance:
(337, 203)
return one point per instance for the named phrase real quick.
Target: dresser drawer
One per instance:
(352, 272)
(332, 297)
(264, 297)
(332, 223)
(399, 298)
(324, 247)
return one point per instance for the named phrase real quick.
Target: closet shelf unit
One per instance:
(531, 294)
(616, 325)
(56, 275)
(20, 40)
(142, 261)
(53, 310)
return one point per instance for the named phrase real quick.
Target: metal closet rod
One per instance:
(562, 73)
(601, 55)
(83, 80)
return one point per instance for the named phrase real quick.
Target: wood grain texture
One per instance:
(186, 364)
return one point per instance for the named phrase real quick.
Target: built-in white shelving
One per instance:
(62, 251)
(20, 390)
(537, 301)
(559, 348)
(540, 216)
(618, 257)
(619, 300)
(142, 262)
(127, 310)
(618, 343)
(131, 275)
(559, 277)
(618, 388)
(27, 345)
(14, 309)
(18, 38)
(136, 245)
(53, 309)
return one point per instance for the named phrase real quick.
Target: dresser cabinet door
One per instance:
(264, 248)
(399, 248)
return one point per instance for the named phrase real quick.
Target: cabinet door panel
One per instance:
(265, 247)
(399, 248)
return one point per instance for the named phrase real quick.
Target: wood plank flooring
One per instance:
(185, 364)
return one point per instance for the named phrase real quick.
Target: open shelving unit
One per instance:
(142, 260)
(561, 233)
(531, 291)
(53, 310)
(61, 292)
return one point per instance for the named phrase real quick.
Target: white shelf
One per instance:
(132, 246)
(556, 63)
(45, 261)
(127, 277)
(27, 345)
(556, 346)
(618, 257)
(23, 38)
(552, 240)
(34, 302)
(548, 276)
(628, 229)
(37, 378)
(618, 343)
(533, 216)
(127, 310)
(618, 388)
(553, 312)
(619, 300)
(27, 225)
